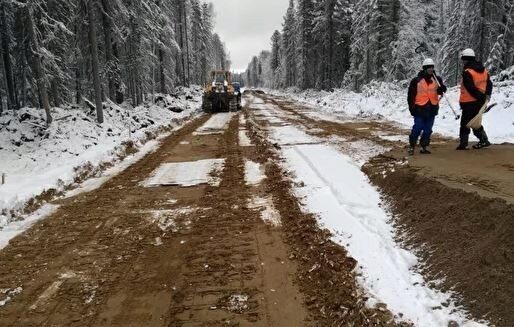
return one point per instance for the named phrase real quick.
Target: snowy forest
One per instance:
(57, 52)
(327, 44)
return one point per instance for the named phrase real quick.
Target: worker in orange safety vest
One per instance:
(423, 100)
(476, 89)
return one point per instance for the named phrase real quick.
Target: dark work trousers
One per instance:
(469, 111)
(422, 126)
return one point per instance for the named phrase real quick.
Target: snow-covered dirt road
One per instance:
(274, 216)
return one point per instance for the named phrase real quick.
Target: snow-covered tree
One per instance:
(304, 45)
(289, 44)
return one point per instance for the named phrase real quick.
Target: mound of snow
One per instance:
(36, 159)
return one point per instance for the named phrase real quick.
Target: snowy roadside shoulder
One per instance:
(388, 101)
(76, 154)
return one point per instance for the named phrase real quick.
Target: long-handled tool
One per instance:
(457, 116)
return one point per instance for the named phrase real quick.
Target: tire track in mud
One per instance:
(102, 259)
(67, 263)
(234, 272)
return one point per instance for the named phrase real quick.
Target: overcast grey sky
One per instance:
(246, 26)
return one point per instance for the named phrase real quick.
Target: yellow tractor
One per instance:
(221, 94)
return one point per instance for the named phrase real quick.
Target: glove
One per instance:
(441, 90)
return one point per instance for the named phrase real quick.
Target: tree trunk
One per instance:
(161, 71)
(11, 97)
(117, 87)
(55, 94)
(94, 61)
(331, 33)
(181, 41)
(37, 67)
(188, 78)
(107, 27)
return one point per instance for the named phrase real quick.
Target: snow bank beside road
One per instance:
(36, 159)
(389, 101)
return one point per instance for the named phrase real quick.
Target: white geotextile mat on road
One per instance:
(186, 173)
(217, 124)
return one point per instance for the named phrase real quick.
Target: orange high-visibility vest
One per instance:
(427, 92)
(480, 81)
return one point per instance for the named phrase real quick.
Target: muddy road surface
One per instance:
(270, 217)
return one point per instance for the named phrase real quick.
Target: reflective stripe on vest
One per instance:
(427, 92)
(480, 81)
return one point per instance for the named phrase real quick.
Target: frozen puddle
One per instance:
(244, 140)
(217, 124)
(187, 173)
(269, 214)
(254, 173)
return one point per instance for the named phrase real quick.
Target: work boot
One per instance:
(425, 150)
(484, 140)
(481, 145)
(412, 147)
(463, 142)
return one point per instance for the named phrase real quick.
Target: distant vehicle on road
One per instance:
(221, 94)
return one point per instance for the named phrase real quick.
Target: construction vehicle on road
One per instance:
(220, 94)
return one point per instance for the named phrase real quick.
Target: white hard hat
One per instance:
(468, 53)
(428, 62)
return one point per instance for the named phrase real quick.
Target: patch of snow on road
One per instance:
(244, 140)
(8, 294)
(290, 135)
(254, 173)
(242, 120)
(217, 124)
(269, 214)
(361, 151)
(14, 228)
(238, 303)
(393, 138)
(166, 219)
(187, 173)
(340, 193)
